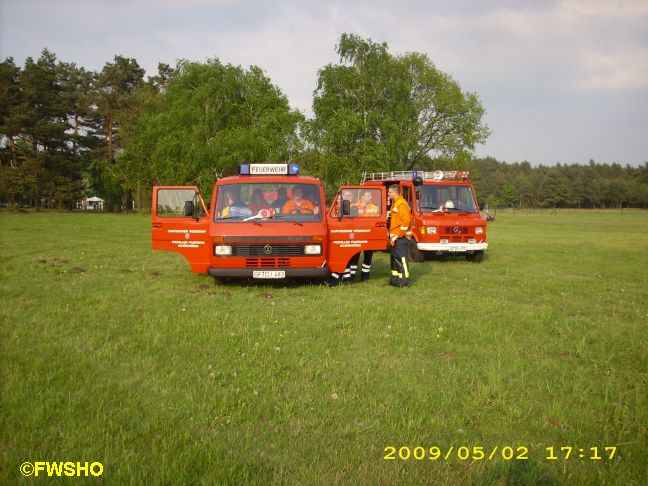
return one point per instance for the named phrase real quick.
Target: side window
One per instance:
(368, 203)
(346, 194)
(405, 190)
(171, 202)
(365, 202)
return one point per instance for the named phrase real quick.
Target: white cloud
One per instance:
(623, 70)
(538, 66)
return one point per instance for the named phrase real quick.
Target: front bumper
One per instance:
(452, 247)
(318, 272)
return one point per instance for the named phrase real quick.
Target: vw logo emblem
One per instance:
(267, 249)
(456, 230)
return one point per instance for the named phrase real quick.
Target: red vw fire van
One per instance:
(266, 223)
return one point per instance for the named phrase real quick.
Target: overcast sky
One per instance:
(561, 81)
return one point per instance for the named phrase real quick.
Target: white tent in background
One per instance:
(92, 203)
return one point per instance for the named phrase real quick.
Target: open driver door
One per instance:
(357, 221)
(181, 224)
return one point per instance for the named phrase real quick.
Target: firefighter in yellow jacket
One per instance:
(400, 231)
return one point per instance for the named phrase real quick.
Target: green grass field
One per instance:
(114, 353)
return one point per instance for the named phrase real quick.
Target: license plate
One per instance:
(268, 274)
(457, 248)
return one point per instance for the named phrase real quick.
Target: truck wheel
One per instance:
(476, 257)
(416, 254)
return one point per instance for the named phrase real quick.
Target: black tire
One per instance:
(476, 257)
(416, 255)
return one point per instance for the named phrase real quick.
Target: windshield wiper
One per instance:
(255, 216)
(286, 217)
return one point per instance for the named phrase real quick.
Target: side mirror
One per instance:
(189, 208)
(346, 207)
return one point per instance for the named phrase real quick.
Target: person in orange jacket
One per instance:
(400, 230)
(298, 204)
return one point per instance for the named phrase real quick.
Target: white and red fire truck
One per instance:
(445, 214)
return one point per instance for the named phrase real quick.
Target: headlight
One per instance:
(431, 230)
(444, 242)
(222, 250)
(313, 249)
(479, 230)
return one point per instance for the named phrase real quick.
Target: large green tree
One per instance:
(377, 111)
(10, 127)
(42, 167)
(209, 118)
(116, 105)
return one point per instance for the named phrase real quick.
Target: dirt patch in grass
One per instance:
(199, 287)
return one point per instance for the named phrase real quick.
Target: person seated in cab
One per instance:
(311, 194)
(282, 198)
(365, 205)
(234, 207)
(347, 195)
(258, 202)
(299, 205)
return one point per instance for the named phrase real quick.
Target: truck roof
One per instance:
(426, 176)
(285, 179)
(425, 183)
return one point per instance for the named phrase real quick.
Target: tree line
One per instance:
(591, 185)
(66, 132)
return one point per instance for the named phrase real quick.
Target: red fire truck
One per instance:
(445, 214)
(267, 223)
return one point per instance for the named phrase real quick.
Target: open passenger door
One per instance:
(181, 224)
(357, 221)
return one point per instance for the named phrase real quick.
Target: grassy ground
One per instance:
(113, 353)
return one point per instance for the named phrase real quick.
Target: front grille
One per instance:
(268, 250)
(457, 234)
(266, 238)
(455, 230)
(267, 262)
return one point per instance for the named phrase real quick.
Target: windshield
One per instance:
(268, 201)
(436, 197)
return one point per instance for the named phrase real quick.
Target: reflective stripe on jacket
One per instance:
(401, 220)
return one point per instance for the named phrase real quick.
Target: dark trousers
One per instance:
(399, 266)
(352, 267)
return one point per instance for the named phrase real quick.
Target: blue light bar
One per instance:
(269, 169)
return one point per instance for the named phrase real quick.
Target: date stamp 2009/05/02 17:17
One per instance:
(507, 453)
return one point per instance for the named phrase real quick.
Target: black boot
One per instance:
(333, 280)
